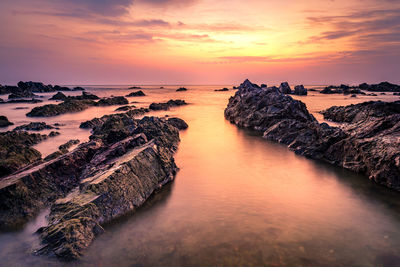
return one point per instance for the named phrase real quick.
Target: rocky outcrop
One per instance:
(90, 124)
(368, 144)
(35, 87)
(62, 108)
(137, 93)
(300, 90)
(110, 101)
(167, 105)
(135, 87)
(181, 89)
(84, 96)
(221, 90)
(4, 122)
(59, 96)
(342, 89)
(16, 101)
(22, 94)
(381, 87)
(33, 126)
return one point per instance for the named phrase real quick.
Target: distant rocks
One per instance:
(300, 90)
(59, 96)
(78, 88)
(368, 143)
(35, 87)
(167, 105)
(85, 96)
(34, 126)
(125, 108)
(16, 101)
(109, 101)
(135, 87)
(178, 123)
(342, 89)
(381, 87)
(221, 90)
(182, 89)
(263, 85)
(137, 93)
(4, 122)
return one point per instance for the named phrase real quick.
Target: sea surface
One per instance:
(238, 200)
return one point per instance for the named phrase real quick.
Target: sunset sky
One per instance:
(199, 41)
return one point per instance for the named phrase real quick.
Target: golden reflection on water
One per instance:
(241, 200)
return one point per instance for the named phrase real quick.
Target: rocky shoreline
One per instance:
(368, 144)
(125, 161)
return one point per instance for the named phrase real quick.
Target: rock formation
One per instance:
(137, 93)
(368, 144)
(167, 105)
(4, 122)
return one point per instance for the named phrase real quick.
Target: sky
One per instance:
(199, 41)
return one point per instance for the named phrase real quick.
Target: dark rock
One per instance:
(99, 121)
(4, 122)
(35, 87)
(137, 93)
(18, 108)
(181, 89)
(62, 108)
(178, 123)
(125, 108)
(396, 93)
(167, 105)
(368, 144)
(221, 90)
(110, 101)
(53, 134)
(161, 87)
(65, 147)
(135, 87)
(33, 126)
(22, 94)
(300, 90)
(381, 87)
(16, 152)
(13, 101)
(263, 85)
(78, 88)
(61, 88)
(353, 96)
(59, 96)
(285, 88)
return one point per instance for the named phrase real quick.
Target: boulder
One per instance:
(59, 96)
(300, 90)
(137, 93)
(4, 122)
(181, 89)
(285, 88)
(178, 123)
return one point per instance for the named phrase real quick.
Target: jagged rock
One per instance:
(4, 122)
(178, 123)
(181, 89)
(368, 144)
(381, 87)
(285, 88)
(137, 93)
(300, 90)
(167, 105)
(94, 184)
(33, 126)
(221, 90)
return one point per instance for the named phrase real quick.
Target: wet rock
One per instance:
(178, 123)
(68, 145)
(300, 90)
(368, 143)
(181, 89)
(90, 124)
(221, 90)
(167, 105)
(4, 122)
(137, 93)
(33, 126)
(285, 88)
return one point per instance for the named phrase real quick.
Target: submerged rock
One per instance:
(4, 122)
(221, 90)
(368, 144)
(34, 126)
(167, 105)
(181, 89)
(135, 87)
(137, 93)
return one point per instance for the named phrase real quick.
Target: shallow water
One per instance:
(237, 199)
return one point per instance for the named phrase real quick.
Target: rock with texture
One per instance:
(4, 122)
(137, 93)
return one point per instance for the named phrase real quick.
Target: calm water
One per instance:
(237, 200)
